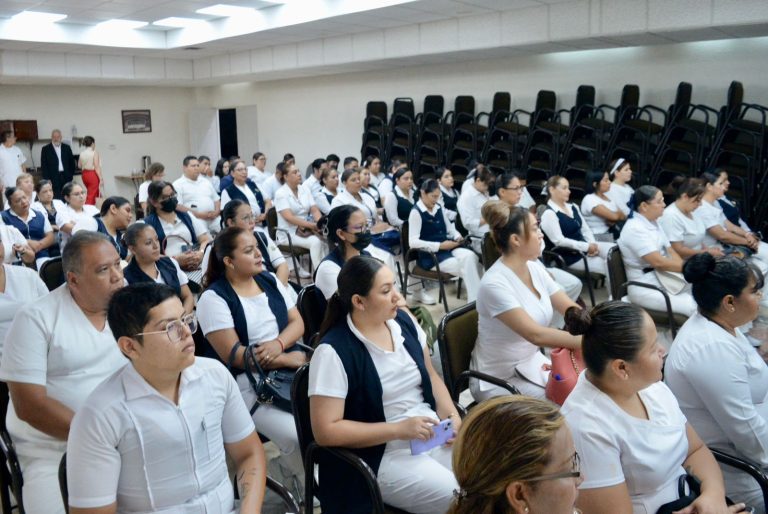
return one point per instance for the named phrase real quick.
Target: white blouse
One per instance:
(595, 222)
(680, 228)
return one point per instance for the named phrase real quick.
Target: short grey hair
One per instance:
(72, 256)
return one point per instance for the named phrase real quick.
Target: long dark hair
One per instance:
(154, 192)
(223, 246)
(355, 278)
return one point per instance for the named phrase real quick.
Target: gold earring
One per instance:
(526, 509)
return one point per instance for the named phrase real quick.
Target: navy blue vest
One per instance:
(404, 207)
(451, 203)
(571, 229)
(433, 229)
(329, 197)
(731, 211)
(235, 194)
(154, 221)
(224, 289)
(261, 240)
(119, 246)
(35, 230)
(133, 273)
(342, 489)
(226, 181)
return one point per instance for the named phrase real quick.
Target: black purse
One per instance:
(688, 489)
(272, 387)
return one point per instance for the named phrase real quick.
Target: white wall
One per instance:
(95, 111)
(311, 117)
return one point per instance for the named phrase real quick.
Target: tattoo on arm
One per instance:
(245, 481)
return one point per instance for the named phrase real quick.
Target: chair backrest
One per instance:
(300, 402)
(404, 245)
(490, 252)
(585, 95)
(459, 225)
(465, 104)
(434, 104)
(52, 273)
(377, 109)
(272, 223)
(617, 274)
(63, 488)
(312, 310)
(502, 101)
(679, 109)
(735, 99)
(404, 106)
(546, 100)
(456, 338)
(630, 100)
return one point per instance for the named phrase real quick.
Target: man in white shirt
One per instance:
(152, 436)
(11, 159)
(258, 172)
(56, 352)
(313, 180)
(197, 196)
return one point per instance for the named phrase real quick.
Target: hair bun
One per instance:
(495, 213)
(698, 267)
(577, 321)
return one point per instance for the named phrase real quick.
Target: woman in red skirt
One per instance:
(90, 163)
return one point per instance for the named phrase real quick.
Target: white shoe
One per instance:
(304, 273)
(422, 296)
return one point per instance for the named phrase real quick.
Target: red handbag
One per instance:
(566, 366)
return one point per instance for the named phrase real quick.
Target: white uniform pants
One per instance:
(597, 263)
(421, 484)
(466, 265)
(317, 248)
(41, 491)
(760, 259)
(682, 303)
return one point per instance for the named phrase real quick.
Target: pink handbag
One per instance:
(566, 366)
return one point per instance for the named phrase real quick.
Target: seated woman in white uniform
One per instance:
(645, 249)
(729, 207)
(399, 202)
(329, 183)
(245, 189)
(149, 265)
(515, 304)
(368, 188)
(372, 163)
(602, 215)
(347, 231)
(718, 377)
(74, 210)
(474, 194)
(564, 226)
(620, 191)
(430, 229)
(243, 305)
(450, 196)
(685, 231)
(720, 230)
(373, 389)
(298, 214)
(632, 438)
(509, 188)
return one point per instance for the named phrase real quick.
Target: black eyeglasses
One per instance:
(574, 473)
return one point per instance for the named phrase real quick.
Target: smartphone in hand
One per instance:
(443, 432)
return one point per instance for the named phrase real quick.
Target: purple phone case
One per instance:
(443, 432)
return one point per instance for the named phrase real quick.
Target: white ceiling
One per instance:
(317, 37)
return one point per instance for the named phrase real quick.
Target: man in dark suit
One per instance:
(57, 162)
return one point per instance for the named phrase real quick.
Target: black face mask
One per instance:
(362, 240)
(169, 205)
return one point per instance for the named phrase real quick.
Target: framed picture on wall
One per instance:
(136, 121)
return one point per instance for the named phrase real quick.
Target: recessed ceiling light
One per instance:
(38, 17)
(177, 22)
(225, 11)
(122, 24)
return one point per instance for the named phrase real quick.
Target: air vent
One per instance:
(193, 48)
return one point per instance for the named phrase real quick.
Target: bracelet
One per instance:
(282, 346)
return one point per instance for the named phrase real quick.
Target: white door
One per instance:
(204, 133)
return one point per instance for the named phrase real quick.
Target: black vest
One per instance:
(154, 221)
(261, 240)
(404, 206)
(268, 284)
(119, 246)
(433, 229)
(133, 273)
(235, 193)
(731, 211)
(342, 489)
(571, 229)
(451, 203)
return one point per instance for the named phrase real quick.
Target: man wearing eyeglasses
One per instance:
(56, 352)
(152, 436)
